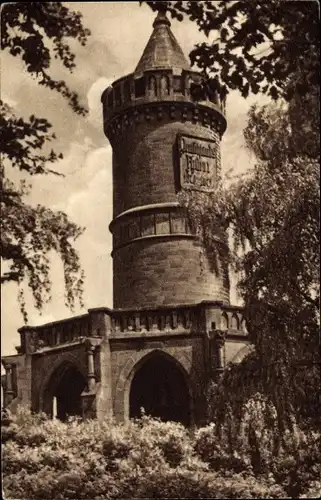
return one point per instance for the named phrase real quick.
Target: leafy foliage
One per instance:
(37, 33)
(254, 46)
(276, 212)
(30, 233)
(273, 216)
(147, 458)
(272, 213)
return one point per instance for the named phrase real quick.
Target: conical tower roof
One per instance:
(162, 50)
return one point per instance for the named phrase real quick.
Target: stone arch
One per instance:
(244, 351)
(121, 396)
(66, 362)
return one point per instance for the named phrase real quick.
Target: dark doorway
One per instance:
(68, 394)
(159, 387)
(63, 394)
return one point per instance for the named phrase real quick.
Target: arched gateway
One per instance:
(160, 386)
(61, 396)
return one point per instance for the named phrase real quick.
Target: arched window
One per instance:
(235, 322)
(143, 324)
(117, 95)
(152, 86)
(243, 326)
(164, 85)
(224, 321)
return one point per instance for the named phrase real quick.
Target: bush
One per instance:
(180, 483)
(149, 459)
(217, 453)
(299, 466)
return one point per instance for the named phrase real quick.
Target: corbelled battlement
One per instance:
(162, 75)
(155, 86)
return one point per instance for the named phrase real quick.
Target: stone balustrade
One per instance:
(54, 334)
(188, 319)
(180, 320)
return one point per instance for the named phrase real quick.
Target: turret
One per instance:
(163, 141)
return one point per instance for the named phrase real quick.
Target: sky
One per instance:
(119, 33)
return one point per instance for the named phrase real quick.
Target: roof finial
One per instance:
(161, 17)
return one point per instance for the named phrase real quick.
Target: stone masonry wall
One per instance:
(169, 271)
(145, 168)
(162, 271)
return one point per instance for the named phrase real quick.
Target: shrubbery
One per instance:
(147, 458)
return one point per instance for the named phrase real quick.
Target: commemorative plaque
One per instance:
(197, 163)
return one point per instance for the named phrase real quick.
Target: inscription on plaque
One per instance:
(197, 163)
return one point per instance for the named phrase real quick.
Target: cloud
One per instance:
(93, 203)
(235, 155)
(94, 100)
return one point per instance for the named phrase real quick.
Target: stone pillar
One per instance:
(91, 368)
(220, 336)
(8, 396)
(101, 324)
(89, 394)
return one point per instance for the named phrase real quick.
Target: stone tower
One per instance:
(162, 142)
(172, 329)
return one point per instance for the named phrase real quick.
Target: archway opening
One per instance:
(159, 386)
(63, 393)
(68, 394)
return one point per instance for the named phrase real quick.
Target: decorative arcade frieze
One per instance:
(150, 221)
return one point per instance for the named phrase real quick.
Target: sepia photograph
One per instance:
(160, 250)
